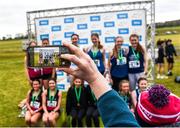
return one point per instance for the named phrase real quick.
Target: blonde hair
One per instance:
(115, 50)
(121, 83)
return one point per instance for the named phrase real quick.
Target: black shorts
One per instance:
(35, 78)
(46, 76)
(170, 59)
(160, 60)
(56, 111)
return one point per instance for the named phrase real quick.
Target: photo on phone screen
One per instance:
(48, 56)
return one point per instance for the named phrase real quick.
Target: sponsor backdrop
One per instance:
(107, 24)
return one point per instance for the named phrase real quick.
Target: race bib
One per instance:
(134, 64)
(35, 104)
(51, 103)
(121, 61)
(97, 62)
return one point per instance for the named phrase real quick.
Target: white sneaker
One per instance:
(163, 77)
(158, 76)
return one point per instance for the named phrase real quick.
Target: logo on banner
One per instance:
(82, 26)
(96, 31)
(123, 31)
(55, 28)
(109, 24)
(140, 38)
(109, 39)
(60, 86)
(43, 22)
(136, 22)
(56, 42)
(68, 20)
(44, 36)
(95, 18)
(122, 16)
(60, 73)
(68, 34)
(83, 41)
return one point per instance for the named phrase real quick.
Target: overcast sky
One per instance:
(13, 12)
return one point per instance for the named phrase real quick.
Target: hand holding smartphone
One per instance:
(47, 56)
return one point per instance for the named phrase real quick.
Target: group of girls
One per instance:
(43, 104)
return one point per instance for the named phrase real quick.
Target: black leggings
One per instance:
(92, 113)
(77, 115)
(116, 82)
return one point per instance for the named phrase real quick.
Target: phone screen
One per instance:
(48, 56)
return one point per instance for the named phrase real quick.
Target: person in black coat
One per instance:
(92, 111)
(76, 102)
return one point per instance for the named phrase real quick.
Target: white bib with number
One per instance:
(134, 64)
(97, 62)
(121, 61)
(35, 104)
(51, 103)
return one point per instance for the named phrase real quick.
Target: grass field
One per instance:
(14, 85)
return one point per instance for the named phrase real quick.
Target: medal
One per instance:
(78, 104)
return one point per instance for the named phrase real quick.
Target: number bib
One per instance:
(134, 64)
(97, 62)
(35, 105)
(51, 103)
(121, 61)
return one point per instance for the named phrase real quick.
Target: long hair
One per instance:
(139, 47)
(73, 79)
(115, 50)
(100, 46)
(121, 83)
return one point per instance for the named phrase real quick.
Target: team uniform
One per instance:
(76, 104)
(160, 59)
(119, 69)
(34, 73)
(135, 67)
(92, 110)
(35, 102)
(127, 99)
(47, 73)
(97, 57)
(52, 101)
(170, 50)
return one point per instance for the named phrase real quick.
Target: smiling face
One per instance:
(134, 41)
(45, 42)
(125, 87)
(74, 39)
(52, 84)
(143, 85)
(118, 42)
(95, 40)
(77, 82)
(36, 85)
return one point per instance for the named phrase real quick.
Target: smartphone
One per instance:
(47, 56)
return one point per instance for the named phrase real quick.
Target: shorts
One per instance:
(170, 59)
(35, 78)
(56, 111)
(46, 76)
(160, 60)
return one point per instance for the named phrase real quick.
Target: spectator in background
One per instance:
(76, 102)
(170, 52)
(97, 53)
(117, 63)
(137, 61)
(142, 86)
(47, 73)
(157, 107)
(160, 60)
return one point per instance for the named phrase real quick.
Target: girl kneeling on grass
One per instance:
(51, 104)
(34, 104)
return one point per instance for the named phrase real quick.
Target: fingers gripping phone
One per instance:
(48, 56)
